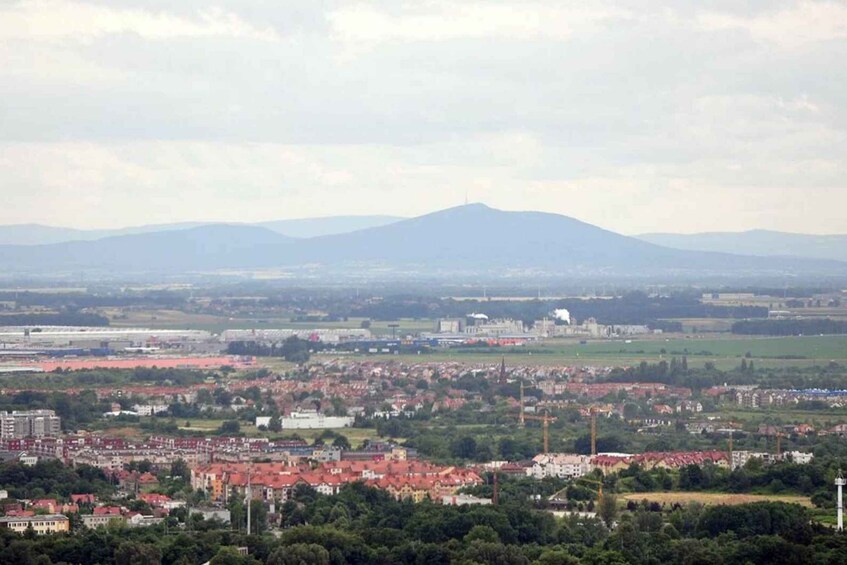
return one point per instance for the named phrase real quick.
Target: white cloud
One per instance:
(80, 21)
(444, 20)
(121, 112)
(790, 27)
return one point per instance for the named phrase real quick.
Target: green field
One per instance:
(711, 498)
(725, 353)
(356, 435)
(175, 319)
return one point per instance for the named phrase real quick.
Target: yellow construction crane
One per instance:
(593, 431)
(599, 487)
(545, 423)
(587, 480)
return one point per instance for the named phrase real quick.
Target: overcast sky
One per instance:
(636, 116)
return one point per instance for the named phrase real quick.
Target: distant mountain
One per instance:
(462, 240)
(201, 248)
(38, 234)
(478, 237)
(331, 225)
(757, 242)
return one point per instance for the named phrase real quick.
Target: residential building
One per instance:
(34, 423)
(42, 525)
(560, 465)
(100, 520)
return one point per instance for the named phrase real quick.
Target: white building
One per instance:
(799, 457)
(64, 336)
(149, 409)
(271, 335)
(495, 328)
(312, 420)
(559, 465)
(465, 500)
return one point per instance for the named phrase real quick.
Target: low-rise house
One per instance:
(41, 525)
(94, 521)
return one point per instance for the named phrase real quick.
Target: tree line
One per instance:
(803, 326)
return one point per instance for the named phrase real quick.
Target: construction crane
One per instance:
(545, 422)
(599, 487)
(583, 479)
(593, 431)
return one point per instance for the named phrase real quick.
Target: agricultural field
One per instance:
(713, 498)
(177, 319)
(725, 353)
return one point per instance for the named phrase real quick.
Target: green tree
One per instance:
(341, 442)
(275, 425)
(179, 468)
(299, 554)
(608, 509)
(482, 533)
(135, 553)
(556, 557)
(258, 517)
(230, 427)
(464, 448)
(229, 555)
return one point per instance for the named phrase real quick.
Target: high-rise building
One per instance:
(34, 423)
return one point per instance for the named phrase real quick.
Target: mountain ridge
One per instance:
(41, 234)
(470, 238)
(765, 243)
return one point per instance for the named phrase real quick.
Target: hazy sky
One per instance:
(636, 116)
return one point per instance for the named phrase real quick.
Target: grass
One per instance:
(725, 353)
(816, 417)
(356, 436)
(176, 319)
(712, 498)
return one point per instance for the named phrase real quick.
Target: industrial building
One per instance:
(269, 335)
(83, 337)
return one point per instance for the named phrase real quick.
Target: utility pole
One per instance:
(840, 482)
(521, 420)
(249, 496)
(496, 498)
(730, 450)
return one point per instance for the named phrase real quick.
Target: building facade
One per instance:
(42, 525)
(34, 423)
